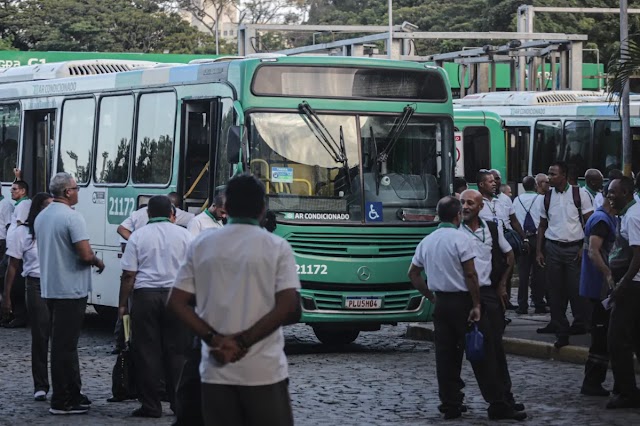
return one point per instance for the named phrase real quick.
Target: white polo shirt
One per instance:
(235, 286)
(598, 201)
(497, 210)
(528, 202)
(204, 220)
(483, 243)
(630, 228)
(20, 212)
(441, 254)
(564, 218)
(6, 211)
(136, 220)
(23, 248)
(155, 252)
(592, 197)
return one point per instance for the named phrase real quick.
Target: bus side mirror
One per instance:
(233, 144)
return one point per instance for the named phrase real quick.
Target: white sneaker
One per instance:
(40, 396)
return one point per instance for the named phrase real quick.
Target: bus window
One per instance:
(607, 146)
(518, 140)
(577, 139)
(10, 122)
(154, 141)
(223, 170)
(115, 126)
(78, 116)
(547, 145)
(477, 151)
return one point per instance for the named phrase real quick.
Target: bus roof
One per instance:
(530, 98)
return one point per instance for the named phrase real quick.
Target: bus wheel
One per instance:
(107, 313)
(335, 336)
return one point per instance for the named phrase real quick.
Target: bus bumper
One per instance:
(395, 307)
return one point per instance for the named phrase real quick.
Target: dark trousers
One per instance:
(624, 338)
(40, 330)
(229, 405)
(595, 369)
(563, 276)
(188, 391)
(157, 344)
(450, 324)
(495, 314)
(3, 264)
(530, 275)
(18, 302)
(66, 316)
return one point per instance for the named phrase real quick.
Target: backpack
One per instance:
(529, 226)
(498, 260)
(576, 201)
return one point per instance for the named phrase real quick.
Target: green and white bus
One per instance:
(522, 133)
(354, 153)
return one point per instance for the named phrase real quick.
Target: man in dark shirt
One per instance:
(595, 282)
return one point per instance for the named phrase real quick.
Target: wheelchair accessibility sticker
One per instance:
(373, 211)
(282, 174)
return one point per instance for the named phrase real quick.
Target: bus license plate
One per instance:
(362, 302)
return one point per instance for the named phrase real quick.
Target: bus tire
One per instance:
(107, 313)
(336, 336)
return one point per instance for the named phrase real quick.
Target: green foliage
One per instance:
(97, 25)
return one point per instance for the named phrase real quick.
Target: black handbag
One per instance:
(123, 382)
(515, 241)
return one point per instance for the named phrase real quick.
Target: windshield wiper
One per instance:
(375, 165)
(337, 152)
(396, 132)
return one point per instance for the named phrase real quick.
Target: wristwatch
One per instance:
(242, 343)
(207, 338)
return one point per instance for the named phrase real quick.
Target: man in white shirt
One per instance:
(6, 210)
(624, 323)
(447, 256)
(213, 217)
(593, 180)
(244, 294)
(494, 264)
(150, 263)
(527, 207)
(182, 217)
(542, 183)
(559, 251)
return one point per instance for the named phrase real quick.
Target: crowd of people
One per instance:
(577, 246)
(215, 352)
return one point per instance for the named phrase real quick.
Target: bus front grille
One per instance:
(353, 245)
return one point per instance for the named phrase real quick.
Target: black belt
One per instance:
(566, 244)
(152, 290)
(33, 278)
(452, 293)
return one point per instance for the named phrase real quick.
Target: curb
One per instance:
(515, 346)
(522, 347)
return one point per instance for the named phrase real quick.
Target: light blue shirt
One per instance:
(62, 274)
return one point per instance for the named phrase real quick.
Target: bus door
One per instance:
(199, 145)
(37, 149)
(518, 141)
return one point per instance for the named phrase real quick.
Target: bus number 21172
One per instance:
(311, 269)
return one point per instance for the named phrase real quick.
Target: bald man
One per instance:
(593, 186)
(542, 183)
(494, 264)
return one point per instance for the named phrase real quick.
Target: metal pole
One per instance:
(217, 43)
(390, 41)
(626, 119)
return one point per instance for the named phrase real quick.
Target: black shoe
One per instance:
(541, 310)
(548, 329)
(561, 342)
(68, 410)
(620, 401)
(576, 330)
(116, 351)
(141, 412)
(115, 399)
(511, 307)
(16, 323)
(521, 311)
(452, 413)
(593, 390)
(84, 401)
(507, 414)
(517, 406)
(444, 408)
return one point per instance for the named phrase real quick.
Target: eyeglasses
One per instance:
(75, 188)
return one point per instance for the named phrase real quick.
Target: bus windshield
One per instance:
(380, 169)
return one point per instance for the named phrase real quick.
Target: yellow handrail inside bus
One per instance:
(197, 181)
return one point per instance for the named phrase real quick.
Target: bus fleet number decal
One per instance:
(120, 206)
(311, 269)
